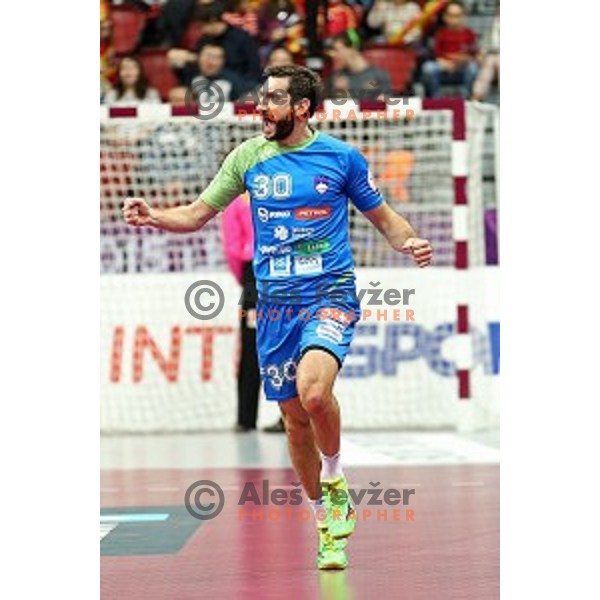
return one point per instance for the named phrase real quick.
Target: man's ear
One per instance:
(302, 109)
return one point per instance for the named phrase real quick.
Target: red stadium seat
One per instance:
(191, 36)
(398, 62)
(157, 70)
(128, 23)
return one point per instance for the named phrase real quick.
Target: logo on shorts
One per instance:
(280, 266)
(278, 375)
(316, 212)
(321, 184)
(331, 330)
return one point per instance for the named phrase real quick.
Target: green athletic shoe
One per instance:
(341, 515)
(332, 553)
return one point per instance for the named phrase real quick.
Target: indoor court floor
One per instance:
(442, 544)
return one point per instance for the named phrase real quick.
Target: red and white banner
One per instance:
(162, 369)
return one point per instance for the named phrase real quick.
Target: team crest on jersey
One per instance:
(321, 184)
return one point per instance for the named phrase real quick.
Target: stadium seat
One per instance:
(191, 36)
(157, 70)
(128, 23)
(398, 62)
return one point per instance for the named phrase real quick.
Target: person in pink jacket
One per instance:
(238, 244)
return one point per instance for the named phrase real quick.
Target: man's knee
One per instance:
(315, 397)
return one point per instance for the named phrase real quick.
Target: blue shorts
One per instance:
(284, 332)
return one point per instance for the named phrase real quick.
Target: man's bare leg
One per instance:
(313, 424)
(315, 378)
(312, 421)
(304, 453)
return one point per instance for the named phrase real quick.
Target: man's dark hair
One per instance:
(209, 13)
(303, 83)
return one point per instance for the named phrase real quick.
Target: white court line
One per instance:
(133, 518)
(106, 528)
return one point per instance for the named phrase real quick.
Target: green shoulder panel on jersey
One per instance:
(229, 181)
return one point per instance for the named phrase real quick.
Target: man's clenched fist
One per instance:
(420, 249)
(137, 212)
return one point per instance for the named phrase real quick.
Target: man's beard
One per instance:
(283, 128)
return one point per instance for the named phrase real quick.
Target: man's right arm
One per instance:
(227, 184)
(181, 219)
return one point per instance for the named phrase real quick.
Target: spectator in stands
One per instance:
(279, 24)
(392, 16)
(241, 51)
(244, 14)
(131, 87)
(490, 63)
(210, 67)
(107, 53)
(280, 57)
(455, 50)
(353, 76)
(175, 18)
(340, 18)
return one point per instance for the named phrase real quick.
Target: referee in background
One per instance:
(238, 244)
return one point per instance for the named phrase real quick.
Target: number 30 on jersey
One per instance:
(277, 186)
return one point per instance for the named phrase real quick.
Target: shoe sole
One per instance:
(332, 567)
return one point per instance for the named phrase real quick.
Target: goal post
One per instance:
(162, 370)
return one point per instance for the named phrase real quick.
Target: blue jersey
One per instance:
(299, 198)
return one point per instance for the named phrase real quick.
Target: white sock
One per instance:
(318, 508)
(331, 467)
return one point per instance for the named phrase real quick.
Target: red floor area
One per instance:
(450, 550)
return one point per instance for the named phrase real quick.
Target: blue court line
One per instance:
(134, 518)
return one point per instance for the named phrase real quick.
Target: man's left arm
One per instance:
(399, 234)
(396, 229)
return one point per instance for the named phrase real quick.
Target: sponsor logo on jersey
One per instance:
(265, 215)
(321, 184)
(308, 247)
(314, 212)
(281, 233)
(275, 250)
(303, 231)
(280, 266)
(304, 265)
